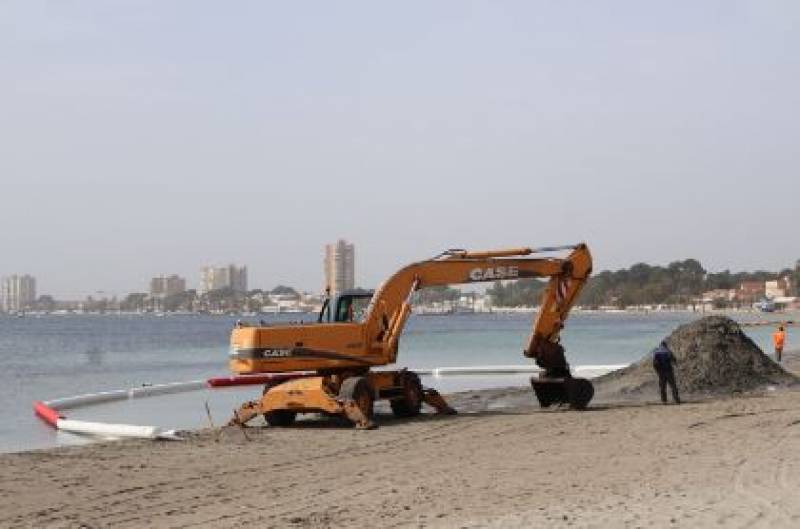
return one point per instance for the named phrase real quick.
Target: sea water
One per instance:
(51, 356)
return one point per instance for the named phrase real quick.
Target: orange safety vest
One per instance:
(778, 338)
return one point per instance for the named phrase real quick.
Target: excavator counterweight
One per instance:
(360, 330)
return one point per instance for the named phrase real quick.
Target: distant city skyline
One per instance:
(221, 277)
(641, 286)
(132, 144)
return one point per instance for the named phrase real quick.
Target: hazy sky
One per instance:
(140, 138)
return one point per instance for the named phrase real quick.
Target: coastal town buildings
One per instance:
(216, 278)
(339, 266)
(778, 288)
(719, 295)
(224, 289)
(17, 293)
(750, 291)
(166, 286)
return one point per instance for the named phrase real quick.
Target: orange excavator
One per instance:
(328, 365)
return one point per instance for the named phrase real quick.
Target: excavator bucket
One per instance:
(577, 392)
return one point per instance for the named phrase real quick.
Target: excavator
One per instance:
(328, 367)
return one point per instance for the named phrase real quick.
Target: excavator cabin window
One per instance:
(346, 308)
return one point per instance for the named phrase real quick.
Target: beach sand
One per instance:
(728, 462)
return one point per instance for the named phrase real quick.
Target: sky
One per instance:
(146, 138)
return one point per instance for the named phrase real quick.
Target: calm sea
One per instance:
(56, 356)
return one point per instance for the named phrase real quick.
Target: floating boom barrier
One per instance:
(59, 422)
(587, 370)
(50, 411)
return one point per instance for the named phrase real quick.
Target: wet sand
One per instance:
(730, 462)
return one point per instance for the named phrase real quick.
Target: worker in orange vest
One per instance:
(778, 339)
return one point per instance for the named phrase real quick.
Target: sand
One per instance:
(726, 462)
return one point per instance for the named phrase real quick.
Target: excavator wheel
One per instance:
(358, 397)
(410, 404)
(280, 418)
(579, 392)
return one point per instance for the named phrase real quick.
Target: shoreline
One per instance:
(515, 467)
(502, 462)
(794, 312)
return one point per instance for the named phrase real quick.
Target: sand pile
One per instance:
(713, 356)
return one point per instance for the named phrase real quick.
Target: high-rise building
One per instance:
(17, 293)
(166, 286)
(340, 262)
(215, 278)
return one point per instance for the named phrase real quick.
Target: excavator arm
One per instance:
(391, 304)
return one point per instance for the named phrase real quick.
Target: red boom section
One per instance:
(246, 380)
(47, 413)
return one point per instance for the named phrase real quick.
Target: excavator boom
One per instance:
(390, 305)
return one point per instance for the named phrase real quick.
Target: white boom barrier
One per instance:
(104, 429)
(59, 422)
(165, 389)
(49, 410)
(89, 399)
(589, 371)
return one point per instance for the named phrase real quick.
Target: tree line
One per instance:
(680, 282)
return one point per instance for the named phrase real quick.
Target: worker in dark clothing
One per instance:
(663, 359)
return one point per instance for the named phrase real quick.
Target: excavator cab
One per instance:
(348, 307)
